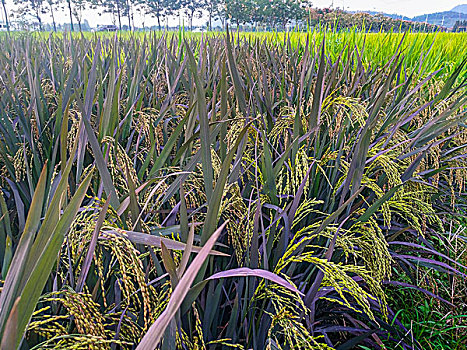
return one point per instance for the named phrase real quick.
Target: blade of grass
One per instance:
(153, 336)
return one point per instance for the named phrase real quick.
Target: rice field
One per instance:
(233, 190)
(434, 50)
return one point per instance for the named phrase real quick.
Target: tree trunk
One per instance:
(39, 18)
(71, 15)
(129, 14)
(159, 21)
(210, 21)
(119, 16)
(191, 18)
(6, 16)
(53, 17)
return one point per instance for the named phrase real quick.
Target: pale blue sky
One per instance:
(405, 7)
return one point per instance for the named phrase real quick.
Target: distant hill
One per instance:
(390, 15)
(460, 8)
(446, 19)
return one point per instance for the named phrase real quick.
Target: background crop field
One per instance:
(439, 49)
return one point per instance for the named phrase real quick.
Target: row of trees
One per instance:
(460, 26)
(271, 12)
(75, 9)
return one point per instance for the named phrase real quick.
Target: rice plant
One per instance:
(225, 191)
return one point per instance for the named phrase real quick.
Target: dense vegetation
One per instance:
(340, 20)
(288, 192)
(460, 26)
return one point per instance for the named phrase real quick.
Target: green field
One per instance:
(435, 50)
(250, 191)
(377, 48)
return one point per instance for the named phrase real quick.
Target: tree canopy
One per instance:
(269, 14)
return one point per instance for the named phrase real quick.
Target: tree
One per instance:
(460, 26)
(269, 12)
(6, 15)
(213, 9)
(239, 11)
(192, 8)
(159, 9)
(54, 5)
(70, 12)
(282, 12)
(260, 11)
(78, 7)
(31, 7)
(129, 14)
(120, 8)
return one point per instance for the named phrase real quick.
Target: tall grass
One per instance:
(176, 192)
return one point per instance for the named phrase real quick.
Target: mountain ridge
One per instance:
(444, 19)
(460, 8)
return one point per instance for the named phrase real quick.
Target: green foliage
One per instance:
(265, 12)
(159, 9)
(248, 192)
(460, 26)
(341, 20)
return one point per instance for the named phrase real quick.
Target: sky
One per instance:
(408, 8)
